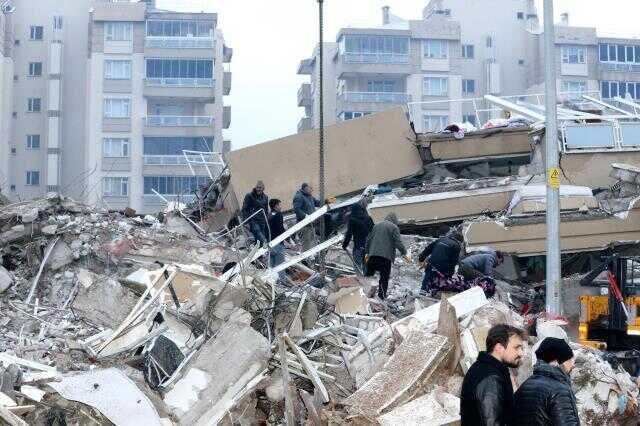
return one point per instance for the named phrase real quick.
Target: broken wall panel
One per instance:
(587, 233)
(374, 149)
(503, 142)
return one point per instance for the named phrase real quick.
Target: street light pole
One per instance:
(553, 274)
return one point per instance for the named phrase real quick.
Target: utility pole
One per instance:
(553, 275)
(321, 191)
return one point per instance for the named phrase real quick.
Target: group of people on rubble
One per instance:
(374, 245)
(545, 398)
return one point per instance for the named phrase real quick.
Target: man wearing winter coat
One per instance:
(257, 201)
(304, 204)
(358, 228)
(441, 258)
(486, 398)
(380, 251)
(546, 398)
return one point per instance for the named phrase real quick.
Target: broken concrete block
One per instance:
(60, 257)
(49, 229)
(105, 302)
(353, 303)
(213, 385)
(6, 280)
(85, 277)
(434, 409)
(408, 370)
(30, 215)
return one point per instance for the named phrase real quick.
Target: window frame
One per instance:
(118, 31)
(121, 183)
(33, 67)
(443, 83)
(36, 33)
(443, 121)
(574, 51)
(465, 86)
(430, 43)
(108, 108)
(30, 142)
(466, 49)
(33, 178)
(110, 68)
(32, 103)
(110, 148)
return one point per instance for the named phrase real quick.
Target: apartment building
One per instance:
(107, 96)
(443, 64)
(307, 93)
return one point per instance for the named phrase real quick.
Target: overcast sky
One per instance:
(270, 37)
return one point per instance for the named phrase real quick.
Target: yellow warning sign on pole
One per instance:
(554, 177)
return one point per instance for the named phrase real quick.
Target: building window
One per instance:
(13, 188)
(468, 86)
(381, 86)
(173, 185)
(175, 145)
(520, 15)
(57, 22)
(118, 31)
(115, 187)
(574, 89)
(180, 29)
(117, 108)
(469, 118)
(117, 69)
(611, 89)
(435, 86)
(350, 115)
(33, 178)
(34, 104)
(33, 141)
(35, 69)
(489, 41)
(435, 123)
(37, 33)
(374, 44)
(115, 148)
(520, 61)
(468, 51)
(436, 49)
(574, 55)
(619, 53)
(179, 68)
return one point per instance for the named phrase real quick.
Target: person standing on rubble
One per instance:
(304, 204)
(486, 398)
(359, 226)
(380, 251)
(256, 207)
(546, 398)
(276, 225)
(440, 259)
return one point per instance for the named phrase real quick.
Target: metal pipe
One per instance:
(553, 274)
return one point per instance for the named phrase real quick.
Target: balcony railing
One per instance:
(376, 58)
(376, 97)
(181, 159)
(180, 42)
(611, 66)
(179, 82)
(304, 124)
(178, 121)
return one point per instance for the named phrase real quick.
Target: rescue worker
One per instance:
(256, 207)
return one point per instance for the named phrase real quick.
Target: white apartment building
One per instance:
(461, 50)
(106, 96)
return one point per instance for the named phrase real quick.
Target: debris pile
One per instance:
(119, 319)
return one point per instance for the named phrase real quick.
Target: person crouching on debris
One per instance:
(481, 264)
(304, 204)
(440, 259)
(546, 398)
(276, 225)
(358, 227)
(486, 398)
(256, 207)
(380, 251)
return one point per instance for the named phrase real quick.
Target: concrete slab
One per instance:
(434, 409)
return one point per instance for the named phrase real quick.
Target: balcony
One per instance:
(226, 83)
(306, 66)
(304, 124)
(352, 64)
(184, 126)
(179, 42)
(169, 160)
(197, 89)
(304, 95)
(619, 67)
(375, 97)
(226, 117)
(178, 121)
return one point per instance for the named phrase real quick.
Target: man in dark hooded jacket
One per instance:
(546, 398)
(442, 257)
(256, 202)
(304, 204)
(358, 228)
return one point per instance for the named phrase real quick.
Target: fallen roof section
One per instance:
(374, 149)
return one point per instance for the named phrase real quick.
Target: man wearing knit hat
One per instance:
(546, 398)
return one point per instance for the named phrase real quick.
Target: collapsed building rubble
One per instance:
(124, 320)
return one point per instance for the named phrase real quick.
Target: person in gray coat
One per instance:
(380, 251)
(304, 204)
(481, 264)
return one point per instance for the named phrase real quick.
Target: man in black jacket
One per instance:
(276, 225)
(442, 257)
(304, 204)
(546, 398)
(256, 202)
(358, 227)
(486, 398)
